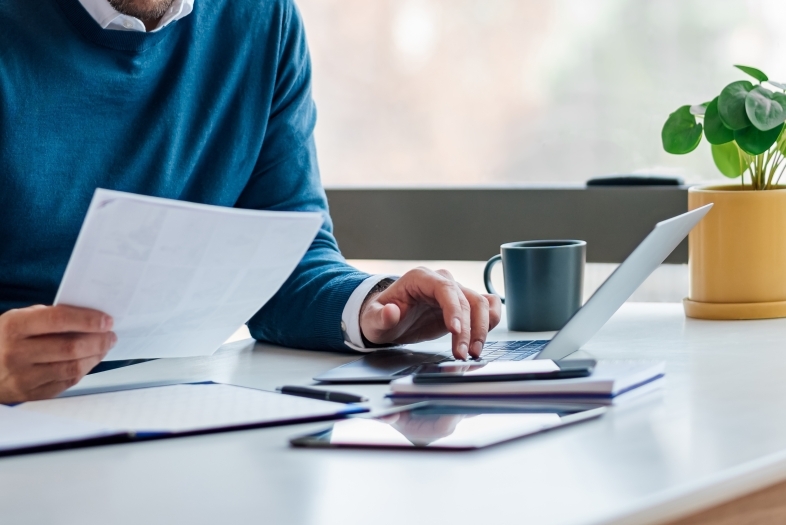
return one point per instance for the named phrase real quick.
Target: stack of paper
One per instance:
(179, 278)
(609, 380)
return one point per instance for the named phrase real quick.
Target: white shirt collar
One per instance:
(108, 18)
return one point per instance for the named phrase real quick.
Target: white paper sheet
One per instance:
(183, 408)
(179, 278)
(24, 429)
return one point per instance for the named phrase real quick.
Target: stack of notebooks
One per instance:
(612, 382)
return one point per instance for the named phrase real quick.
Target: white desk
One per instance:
(717, 431)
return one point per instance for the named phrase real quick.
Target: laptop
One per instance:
(388, 364)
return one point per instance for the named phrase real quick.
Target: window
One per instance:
(462, 92)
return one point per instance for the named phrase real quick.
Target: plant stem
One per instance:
(751, 169)
(769, 167)
(758, 170)
(779, 149)
(776, 160)
(779, 175)
(763, 158)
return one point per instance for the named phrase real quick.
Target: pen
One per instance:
(324, 395)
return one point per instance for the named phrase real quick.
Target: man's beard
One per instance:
(148, 10)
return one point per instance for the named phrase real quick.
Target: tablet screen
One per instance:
(444, 426)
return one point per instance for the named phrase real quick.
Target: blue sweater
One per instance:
(215, 108)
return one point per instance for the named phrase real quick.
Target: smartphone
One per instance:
(535, 369)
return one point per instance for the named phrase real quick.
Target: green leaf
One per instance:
(763, 109)
(780, 98)
(731, 104)
(714, 128)
(755, 141)
(755, 73)
(681, 134)
(779, 85)
(728, 159)
(699, 109)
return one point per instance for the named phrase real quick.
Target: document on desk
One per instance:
(164, 411)
(187, 408)
(22, 429)
(179, 278)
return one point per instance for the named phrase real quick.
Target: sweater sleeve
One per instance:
(306, 311)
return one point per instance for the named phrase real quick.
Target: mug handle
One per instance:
(487, 276)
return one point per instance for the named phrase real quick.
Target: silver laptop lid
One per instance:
(647, 256)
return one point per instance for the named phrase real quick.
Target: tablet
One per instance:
(447, 426)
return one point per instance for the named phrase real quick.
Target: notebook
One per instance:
(611, 379)
(156, 412)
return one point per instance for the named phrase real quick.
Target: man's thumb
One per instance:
(377, 318)
(389, 316)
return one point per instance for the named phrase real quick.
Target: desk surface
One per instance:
(716, 431)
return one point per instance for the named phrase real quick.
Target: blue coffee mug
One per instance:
(543, 282)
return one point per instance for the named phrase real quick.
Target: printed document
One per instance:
(25, 429)
(165, 411)
(185, 408)
(179, 278)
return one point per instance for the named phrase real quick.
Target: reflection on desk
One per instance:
(454, 426)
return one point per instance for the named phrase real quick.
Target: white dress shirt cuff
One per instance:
(350, 317)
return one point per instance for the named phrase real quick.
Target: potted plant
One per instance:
(737, 253)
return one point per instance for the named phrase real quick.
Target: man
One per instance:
(201, 100)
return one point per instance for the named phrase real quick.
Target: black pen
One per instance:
(324, 395)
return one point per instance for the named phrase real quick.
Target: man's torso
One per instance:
(180, 117)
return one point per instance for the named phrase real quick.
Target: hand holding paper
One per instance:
(46, 349)
(179, 278)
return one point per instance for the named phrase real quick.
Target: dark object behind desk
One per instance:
(636, 180)
(613, 220)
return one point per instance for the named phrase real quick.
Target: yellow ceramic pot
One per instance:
(737, 254)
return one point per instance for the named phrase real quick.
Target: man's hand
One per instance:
(424, 305)
(46, 349)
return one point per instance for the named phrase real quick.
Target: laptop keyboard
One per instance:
(492, 351)
(511, 350)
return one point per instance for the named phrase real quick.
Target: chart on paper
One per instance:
(179, 278)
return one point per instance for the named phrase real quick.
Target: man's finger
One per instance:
(50, 390)
(447, 299)
(479, 317)
(460, 338)
(56, 319)
(66, 347)
(31, 378)
(495, 310)
(461, 341)
(455, 315)
(61, 371)
(446, 274)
